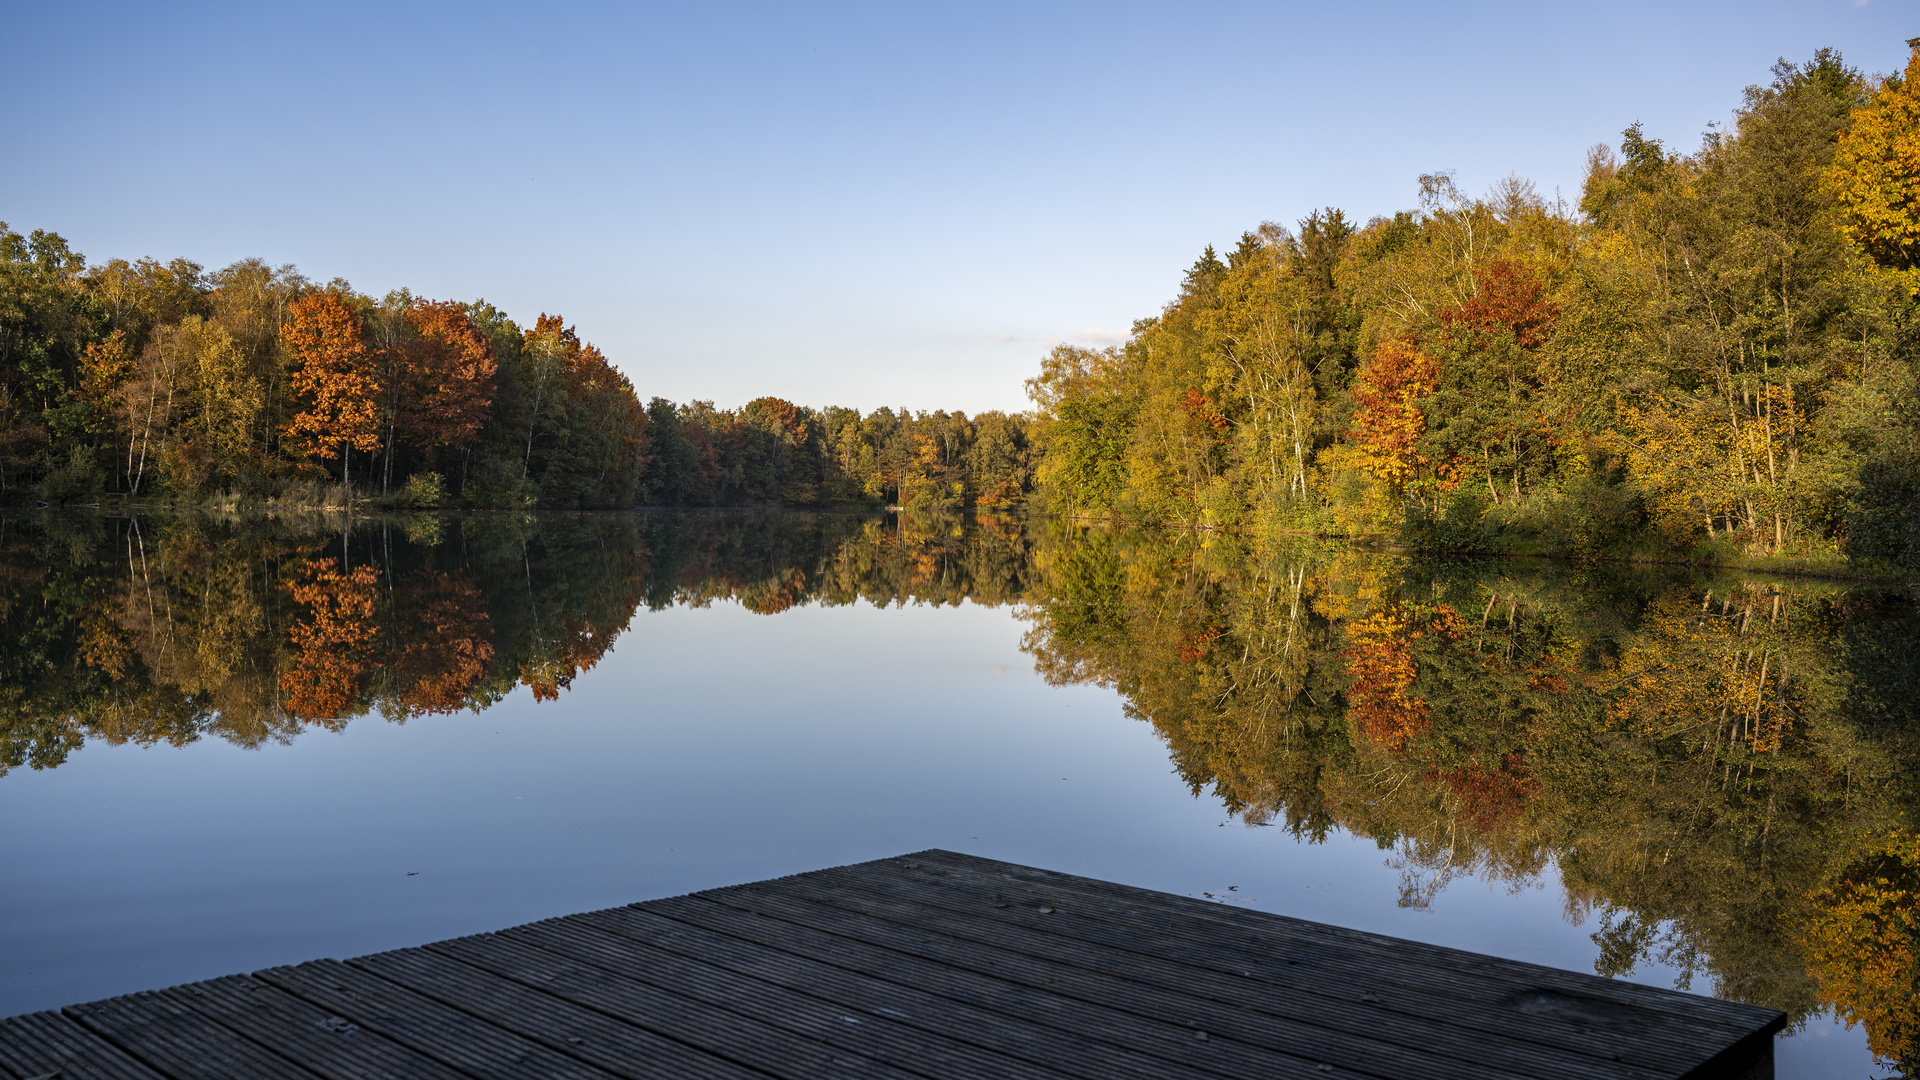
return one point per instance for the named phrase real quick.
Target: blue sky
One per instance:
(857, 204)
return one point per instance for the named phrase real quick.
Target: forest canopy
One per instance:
(1711, 350)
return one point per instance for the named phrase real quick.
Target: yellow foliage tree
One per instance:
(1875, 178)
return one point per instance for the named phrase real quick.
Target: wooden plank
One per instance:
(1319, 1028)
(1519, 999)
(48, 1044)
(723, 1033)
(616, 1047)
(1174, 1043)
(816, 1018)
(1367, 1007)
(1498, 998)
(446, 1034)
(177, 1041)
(322, 1042)
(1158, 914)
(1067, 1052)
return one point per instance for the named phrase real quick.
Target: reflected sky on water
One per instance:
(634, 707)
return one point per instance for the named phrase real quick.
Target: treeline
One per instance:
(252, 385)
(1710, 348)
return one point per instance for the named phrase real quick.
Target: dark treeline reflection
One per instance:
(1719, 769)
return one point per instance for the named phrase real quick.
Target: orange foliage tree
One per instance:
(1388, 422)
(334, 376)
(104, 367)
(333, 641)
(1380, 699)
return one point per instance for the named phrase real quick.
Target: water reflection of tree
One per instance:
(445, 644)
(170, 629)
(1702, 761)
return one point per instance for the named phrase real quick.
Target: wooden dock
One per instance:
(934, 965)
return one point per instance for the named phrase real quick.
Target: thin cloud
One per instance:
(1099, 339)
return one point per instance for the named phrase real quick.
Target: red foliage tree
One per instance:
(1490, 801)
(446, 376)
(1506, 296)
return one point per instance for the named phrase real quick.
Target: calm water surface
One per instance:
(238, 743)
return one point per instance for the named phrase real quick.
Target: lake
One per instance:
(231, 742)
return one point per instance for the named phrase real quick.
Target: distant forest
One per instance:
(1710, 351)
(251, 385)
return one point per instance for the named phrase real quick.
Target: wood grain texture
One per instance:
(931, 966)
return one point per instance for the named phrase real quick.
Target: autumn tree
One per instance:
(607, 443)
(446, 376)
(1863, 944)
(213, 403)
(333, 377)
(1874, 177)
(143, 295)
(1389, 393)
(999, 464)
(1491, 390)
(1086, 416)
(105, 366)
(250, 300)
(792, 449)
(1747, 296)
(549, 349)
